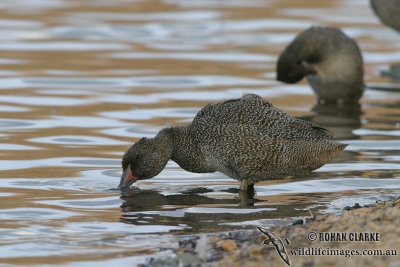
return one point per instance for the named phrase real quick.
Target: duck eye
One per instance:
(139, 156)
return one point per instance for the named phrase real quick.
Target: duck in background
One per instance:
(333, 65)
(331, 62)
(388, 11)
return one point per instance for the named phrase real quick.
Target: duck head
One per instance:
(143, 160)
(292, 65)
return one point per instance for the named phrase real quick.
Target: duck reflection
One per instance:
(142, 200)
(387, 87)
(393, 73)
(195, 211)
(340, 120)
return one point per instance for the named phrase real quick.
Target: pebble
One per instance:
(244, 248)
(362, 211)
(299, 221)
(228, 245)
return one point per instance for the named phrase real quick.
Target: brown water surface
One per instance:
(82, 80)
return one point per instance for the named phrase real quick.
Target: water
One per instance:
(81, 81)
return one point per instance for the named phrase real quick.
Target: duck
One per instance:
(388, 11)
(330, 61)
(247, 139)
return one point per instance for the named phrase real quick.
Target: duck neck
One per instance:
(174, 140)
(178, 140)
(165, 140)
(183, 150)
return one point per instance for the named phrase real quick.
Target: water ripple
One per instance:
(221, 57)
(77, 140)
(35, 214)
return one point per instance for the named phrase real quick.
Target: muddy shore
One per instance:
(360, 236)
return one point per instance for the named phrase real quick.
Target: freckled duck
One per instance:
(331, 62)
(247, 139)
(388, 12)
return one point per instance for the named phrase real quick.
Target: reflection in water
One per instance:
(197, 211)
(385, 87)
(393, 73)
(143, 200)
(339, 120)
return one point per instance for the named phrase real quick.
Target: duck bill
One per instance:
(127, 179)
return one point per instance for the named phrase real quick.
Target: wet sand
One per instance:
(370, 229)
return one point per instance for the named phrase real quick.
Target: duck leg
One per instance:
(246, 193)
(245, 185)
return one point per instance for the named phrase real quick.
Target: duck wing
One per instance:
(248, 137)
(253, 112)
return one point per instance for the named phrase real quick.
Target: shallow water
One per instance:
(82, 80)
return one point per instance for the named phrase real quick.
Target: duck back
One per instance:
(250, 138)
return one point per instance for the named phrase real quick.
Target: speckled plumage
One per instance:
(245, 138)
(330, 60)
